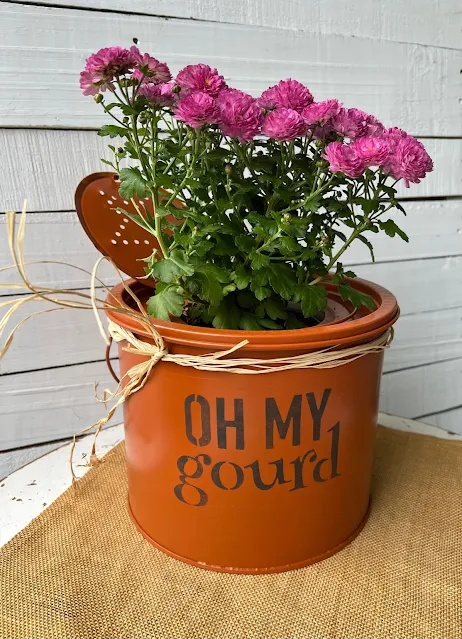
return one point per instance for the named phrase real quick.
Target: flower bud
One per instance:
(286, 218)
(120, 150)
(229, 169)
(98, 98)
(176, 88)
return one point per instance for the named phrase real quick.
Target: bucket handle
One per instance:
(108, 361)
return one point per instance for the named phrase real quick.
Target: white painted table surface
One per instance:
(28, 491)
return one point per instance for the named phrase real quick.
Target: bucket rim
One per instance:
(360, 327)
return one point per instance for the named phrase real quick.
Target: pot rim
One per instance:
(353, 330)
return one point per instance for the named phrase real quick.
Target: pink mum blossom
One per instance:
(393, 136)
(158, 94)
(374, 151)
(104, 66)
(288, 94)
(321, 112)
(409, 160)
(200, 77)
(197, 109)
(284, 124)
(240, 116)
(344, 159)
(149, 69)
(354, 123)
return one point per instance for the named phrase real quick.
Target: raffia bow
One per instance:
(155, 350)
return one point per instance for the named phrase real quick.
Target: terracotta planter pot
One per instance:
(254, 473)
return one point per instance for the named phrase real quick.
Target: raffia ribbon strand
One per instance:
(153, 352)
(327, 358)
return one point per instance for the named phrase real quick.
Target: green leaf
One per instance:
(261, 292)
(282, 279)
(259, 260)
(357, 298)
(313, 205)
(275, 309)
(313, 299)
(229, 288)
(218, 154)
(164, 181)
(169, 268)
(108, 162)
(136, 218)
(249, 322)
(211, 278)
(224, 245)
(391, 229)
(241, 278)
(245, 243)
(288, 245)
(167, 300)
(132, 183)
(365, 241)
(389, 190)
(268, 323)
(112, 131)
(227, 314)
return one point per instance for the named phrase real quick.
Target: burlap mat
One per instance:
(81, 571)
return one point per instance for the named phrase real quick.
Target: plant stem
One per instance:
(312, 195)
(339, 253)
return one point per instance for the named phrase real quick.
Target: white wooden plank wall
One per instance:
(402, 61)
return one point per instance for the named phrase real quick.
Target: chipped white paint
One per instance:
(54, 237)
(438, 22)
(411, 282)
(50, 404)
(418, 392)
(413, 426)
(11, 460)
(28, 491)
(390, 79)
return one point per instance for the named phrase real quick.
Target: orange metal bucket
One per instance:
(254, 473)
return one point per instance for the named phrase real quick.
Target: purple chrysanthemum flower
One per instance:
(104, 66)
(200, 77)
(344, 159)
(197, 109)
(409, 160)
(354, 123)
(321, 112)
(159, 94)
(240, 115)
(149, 69)
(284, 124)
(288, 94)
(374, 151)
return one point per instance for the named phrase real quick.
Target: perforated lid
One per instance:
(113, 233)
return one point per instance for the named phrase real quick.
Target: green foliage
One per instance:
(167, 300)
(132, 183)
(261, 225)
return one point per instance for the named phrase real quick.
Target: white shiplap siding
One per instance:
(401, 61)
